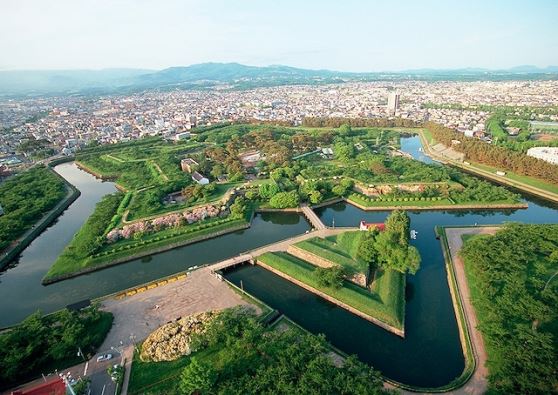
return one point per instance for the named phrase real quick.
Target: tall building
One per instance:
(393, 103)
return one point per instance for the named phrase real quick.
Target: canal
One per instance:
(21, 291)
(430, 355)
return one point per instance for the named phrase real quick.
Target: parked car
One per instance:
(104, 357)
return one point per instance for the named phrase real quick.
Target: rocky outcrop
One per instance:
(173, 340)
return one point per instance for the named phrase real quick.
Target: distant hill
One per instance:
(236, 75)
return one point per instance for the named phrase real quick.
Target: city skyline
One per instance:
(356, 36)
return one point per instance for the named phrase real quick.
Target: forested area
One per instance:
(514, 287)
(237, 355)
(335, 122)
(41, 344)
(492, 155)
(25, 198)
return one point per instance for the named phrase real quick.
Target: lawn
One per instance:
(137, 165)
(150, 378)
(335, 252)
(108, 253)
(534, 182)
(147, 203)
(389, 310)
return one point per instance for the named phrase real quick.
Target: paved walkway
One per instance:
(312, 217)
(282, 245)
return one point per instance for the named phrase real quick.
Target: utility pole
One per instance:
(80, 354)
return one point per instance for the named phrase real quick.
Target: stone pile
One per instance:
(172, 341)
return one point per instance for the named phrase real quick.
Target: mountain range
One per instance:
(233, 75)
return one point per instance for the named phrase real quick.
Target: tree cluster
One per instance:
(49, 342)
(330, 277)
(492, 155)
(390, 249)
(253, 360)
(515, 296)
(25, 198)
(335, 122)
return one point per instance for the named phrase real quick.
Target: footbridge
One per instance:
(283, 245)
(312, 217)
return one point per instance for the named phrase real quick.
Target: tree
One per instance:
(197, 377)
(315, 197)
(392, 245)
(345, 129)
(217, 171)
(238, 208)
(285, 200)
(343, 151)
(82, 386)
(399, 223)
(267, 191)
(331, 276)
(367, 250)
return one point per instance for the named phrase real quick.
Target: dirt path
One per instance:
(160, 171)
(478, 383)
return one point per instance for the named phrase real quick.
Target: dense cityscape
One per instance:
(69, 122)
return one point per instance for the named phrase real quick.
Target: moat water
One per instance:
(430, 355)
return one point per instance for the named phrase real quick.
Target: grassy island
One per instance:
(25, 199)
(513, 278)
(363, 272)
(390, 311)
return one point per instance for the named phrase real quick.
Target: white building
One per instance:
(182, 136)
(200, 179)
(548, 154)
(393, 103)
(1, 210)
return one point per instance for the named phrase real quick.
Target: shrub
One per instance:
(330, 277)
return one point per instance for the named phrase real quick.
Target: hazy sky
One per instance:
(337, 34)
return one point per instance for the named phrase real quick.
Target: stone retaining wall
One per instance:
(309, 257)
(441, 207)
(358, 279)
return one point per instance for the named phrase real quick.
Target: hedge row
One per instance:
(406, 199)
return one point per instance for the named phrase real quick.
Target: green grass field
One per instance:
(142, 205)
(151, 242)
(389, 310)
(534, 182)
(342, 254)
